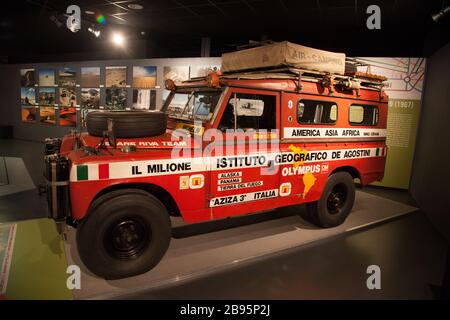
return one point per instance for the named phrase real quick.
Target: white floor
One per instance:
(202, 254)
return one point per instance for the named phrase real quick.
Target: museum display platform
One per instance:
(203, 249)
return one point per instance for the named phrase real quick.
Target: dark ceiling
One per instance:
(174, 28)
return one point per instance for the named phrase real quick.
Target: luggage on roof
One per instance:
(284, 54)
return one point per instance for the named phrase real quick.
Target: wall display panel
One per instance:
(83, 114)
(67, 97)
(203, 71)
(28, 96)
(90, 77)
(29, 114)
(68, 117)
(46, 77)
(144, 99)
(46, 96)
(404, 88)
(176, 73)
(90, 98)
(144, 77)
(116, 99)
(47, 115)
(27, 77)
(116, 77)
(67, 77)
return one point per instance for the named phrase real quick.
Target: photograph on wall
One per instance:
(67, 97)
(90, 98)
(144, 77)
(46, 96)
(68, 117)
(28, 96)
(116, 99)
(203, 71)
(47, 115)
(90, 77)
(46, 77)
(28, 114)
(177, 74)
(144, 99)
(83, 115)
(67, 77)
(116, 77)
(27, 77)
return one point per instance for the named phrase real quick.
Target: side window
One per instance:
(363, 115)
(249, 111)
(316, 112)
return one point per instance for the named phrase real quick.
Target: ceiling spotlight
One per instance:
(438, 16)
(118, 39)
(94, 31)
(135, 6)
(89, 12)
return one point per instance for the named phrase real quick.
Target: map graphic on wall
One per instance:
(67, 97)
(90, 77)
(177, 74)
(90, 98)
(116, 77)
(47, 115)
(404, 87)
(203, 71)
(144, 99)
(28, 114)
(67, 77)
(46, 77)
(144, 77)
(46, 96)
(28, 96)
(27, 77)
(116, 99)
(68, 117)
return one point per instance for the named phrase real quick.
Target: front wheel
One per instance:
(335, 203)
(125, 234)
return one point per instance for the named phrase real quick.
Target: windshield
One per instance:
(196, 105)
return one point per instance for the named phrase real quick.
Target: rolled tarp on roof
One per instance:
(284, 54)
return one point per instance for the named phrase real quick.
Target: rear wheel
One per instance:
(335, 203)
(126, 233)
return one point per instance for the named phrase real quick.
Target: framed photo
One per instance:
(68, 117)
(47, 115)
(144, 99)
(116, 77)
(67, 97)
(144, 77)
(177, 74)
(116, 98)
(90, 77)
(90, 98)
(67, 77)
(203, 71)
(47, 96)
(47, 77)
(28, 114)
(28, 96)
(27, 77)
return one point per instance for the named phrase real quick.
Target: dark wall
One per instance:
(430, 182)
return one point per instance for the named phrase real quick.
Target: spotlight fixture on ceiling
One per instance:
(96, 32)
(118, 39)
(441, 14)
(135, 6)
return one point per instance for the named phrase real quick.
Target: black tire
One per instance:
(335, 203)
(127, 124)
(126, 233)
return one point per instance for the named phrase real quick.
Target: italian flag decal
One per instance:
(93, 172)
(380, 152)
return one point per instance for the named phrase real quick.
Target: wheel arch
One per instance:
(349, 169)
(160, 193)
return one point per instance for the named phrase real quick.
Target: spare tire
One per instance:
(127, 124)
